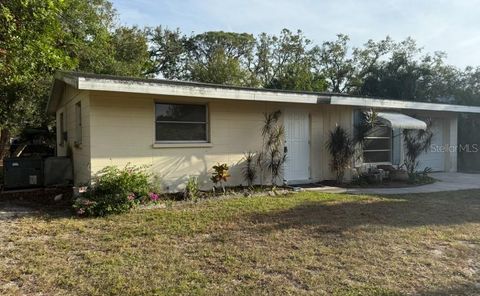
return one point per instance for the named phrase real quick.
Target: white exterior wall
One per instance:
(123, 131)
(79, 153)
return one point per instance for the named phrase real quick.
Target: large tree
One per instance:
(288, 61)
(168, 53)
(91, 36)
(214, 57)
(220, 57)
(39, 37)
(28, 55)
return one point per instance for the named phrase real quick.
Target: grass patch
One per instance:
(303, 243)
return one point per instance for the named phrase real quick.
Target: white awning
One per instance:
(399, 120)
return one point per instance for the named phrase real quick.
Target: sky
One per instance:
(449, 26)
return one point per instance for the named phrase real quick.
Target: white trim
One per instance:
(182, 145)
(397, 104)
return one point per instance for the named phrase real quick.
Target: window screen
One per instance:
(181, 123)
(378, 145)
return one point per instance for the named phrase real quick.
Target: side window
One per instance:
(378, 145)
(78, 123)
(181, 123)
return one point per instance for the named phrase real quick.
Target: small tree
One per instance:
(341, 148)
(416, 142)
(272, 158)
(249, 171)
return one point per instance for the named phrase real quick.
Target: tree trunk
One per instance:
(4, 139)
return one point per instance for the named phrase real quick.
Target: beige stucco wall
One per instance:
(122, 131)
(118, 128)
(79, 153)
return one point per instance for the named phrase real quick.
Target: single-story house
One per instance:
(181, 129)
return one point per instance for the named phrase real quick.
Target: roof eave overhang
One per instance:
(60, 81)
(397, 104)
(198, 91)
(87, 82)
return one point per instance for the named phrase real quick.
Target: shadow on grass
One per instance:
(397, 211)
(14, 209)
(470, 289)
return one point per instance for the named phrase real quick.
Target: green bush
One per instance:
(128, 180)
(115, 191)
(103, 205)
(420, 178)
(191, 189)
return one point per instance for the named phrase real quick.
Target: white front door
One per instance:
(297, 145)
(434, 158)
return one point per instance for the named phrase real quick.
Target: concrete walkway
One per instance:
(445, 182)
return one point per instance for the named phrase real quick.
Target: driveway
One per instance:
(445, 182)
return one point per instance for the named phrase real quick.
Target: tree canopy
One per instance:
(39, 37)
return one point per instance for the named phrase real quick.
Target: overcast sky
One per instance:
(450, 26)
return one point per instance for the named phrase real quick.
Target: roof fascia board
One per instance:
(67, 78)
(193, 91)
(394, 104)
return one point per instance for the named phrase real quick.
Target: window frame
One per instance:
(390, 146)
(180, 142)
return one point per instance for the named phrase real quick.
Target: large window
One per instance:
(181, 123)
(378, 145)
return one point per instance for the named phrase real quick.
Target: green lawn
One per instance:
(304, 243)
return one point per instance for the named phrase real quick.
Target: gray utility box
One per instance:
(58, 171)
(23, 172)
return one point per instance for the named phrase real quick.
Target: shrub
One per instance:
(191, 189)
(128, 180)
(220, 175)
(273, 156)
(416, 142)
(249, 171)
(341, 148)
(102, 205)
(421, 177)
(115, 190)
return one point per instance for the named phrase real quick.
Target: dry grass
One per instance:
(305, 243)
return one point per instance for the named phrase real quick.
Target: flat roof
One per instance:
(100, 82)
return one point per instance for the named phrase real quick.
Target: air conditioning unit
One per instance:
(23, 172)
(29, 172)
